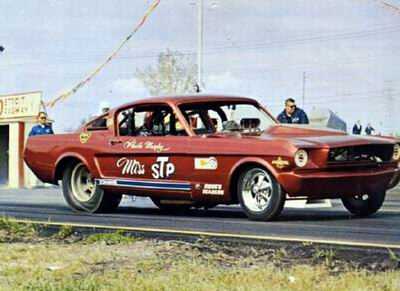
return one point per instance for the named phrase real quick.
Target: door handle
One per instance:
(114, 142)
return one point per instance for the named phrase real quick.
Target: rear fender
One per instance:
(60, 164)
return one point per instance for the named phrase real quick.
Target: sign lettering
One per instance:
(20, 105)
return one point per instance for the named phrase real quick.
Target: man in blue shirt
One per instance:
(292, 114)
(43, 127)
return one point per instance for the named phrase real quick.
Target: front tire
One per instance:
(366, 204)
(260, 195)
(82, 194)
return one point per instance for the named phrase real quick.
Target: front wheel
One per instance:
(82, 194)
(260, 195)
(365, 204)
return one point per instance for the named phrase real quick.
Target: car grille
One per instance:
(364, 153)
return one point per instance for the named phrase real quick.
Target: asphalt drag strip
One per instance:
(332, 226)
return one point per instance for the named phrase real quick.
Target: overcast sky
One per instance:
(349, 49)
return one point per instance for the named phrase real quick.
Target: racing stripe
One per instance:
(132, 183)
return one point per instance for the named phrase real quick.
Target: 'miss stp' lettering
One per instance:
(162, 168)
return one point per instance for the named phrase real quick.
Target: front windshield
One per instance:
(220, 118)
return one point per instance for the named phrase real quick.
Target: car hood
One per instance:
(306, 136)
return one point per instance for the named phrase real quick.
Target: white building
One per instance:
(17, 116)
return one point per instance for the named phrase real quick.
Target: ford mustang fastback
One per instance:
(201, 151)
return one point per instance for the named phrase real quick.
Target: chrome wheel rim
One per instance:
(257, 190)
(82, 183)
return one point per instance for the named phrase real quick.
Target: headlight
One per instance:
(301, 158)
(396, 152)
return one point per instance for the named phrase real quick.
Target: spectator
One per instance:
(43, 127)
(357, 128)
(369, 129)
(292, 114)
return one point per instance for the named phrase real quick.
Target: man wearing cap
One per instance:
(292, 114)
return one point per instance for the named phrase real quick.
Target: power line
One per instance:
(261, 45)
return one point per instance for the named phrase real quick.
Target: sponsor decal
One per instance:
(84, 137)
(210, 163)
(104, 182)
(162, 168)
(130, 167)
(148, 145)
(213, 189)
(280, 163)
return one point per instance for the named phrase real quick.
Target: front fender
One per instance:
(235, 172)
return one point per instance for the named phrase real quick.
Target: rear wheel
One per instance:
(259, 194)
(366, 204)
(82, 194)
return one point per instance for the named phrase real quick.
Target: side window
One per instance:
(98, 124)
(124, 122)
(149, 121)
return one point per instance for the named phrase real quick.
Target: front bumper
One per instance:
(334, 184)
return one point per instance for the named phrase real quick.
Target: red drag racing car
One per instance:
(200, 151)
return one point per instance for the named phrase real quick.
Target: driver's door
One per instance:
(148, 153)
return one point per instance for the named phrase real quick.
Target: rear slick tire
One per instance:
(366, 204)
(83, 195)
(260, 195)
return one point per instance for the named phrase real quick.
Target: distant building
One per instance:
(18, 114)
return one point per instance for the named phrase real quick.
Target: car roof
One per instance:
(195, 98)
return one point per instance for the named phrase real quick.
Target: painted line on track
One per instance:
(214, 234)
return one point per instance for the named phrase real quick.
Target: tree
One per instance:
(174, 73)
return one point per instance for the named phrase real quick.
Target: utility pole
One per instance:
(304, 89)
(200, 39)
